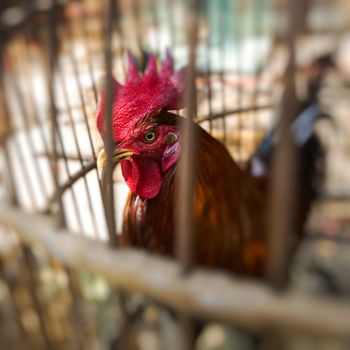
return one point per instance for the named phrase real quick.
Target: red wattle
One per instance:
(143, 176)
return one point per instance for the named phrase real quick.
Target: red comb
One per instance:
(141, 96)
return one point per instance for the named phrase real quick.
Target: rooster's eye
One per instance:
(150, 137)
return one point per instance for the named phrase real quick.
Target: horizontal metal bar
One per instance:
(204, 294)
(73, 157)
(233, 111)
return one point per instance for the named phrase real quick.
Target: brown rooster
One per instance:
(228, 208)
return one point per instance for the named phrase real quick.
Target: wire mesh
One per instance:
(56, 62)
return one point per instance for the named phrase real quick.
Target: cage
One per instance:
(268, 79)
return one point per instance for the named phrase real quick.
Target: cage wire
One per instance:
(64, 281)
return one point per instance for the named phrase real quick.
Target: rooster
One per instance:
(228, 207)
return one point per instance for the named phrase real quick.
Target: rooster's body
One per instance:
(228, 213)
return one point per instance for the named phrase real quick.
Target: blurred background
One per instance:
(52, 216)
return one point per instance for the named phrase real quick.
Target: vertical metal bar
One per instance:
(137, 21)
(15, 307)
(4, 119)
(52, 44)
(33, 285)
(155, 24)
(281, 208)
(113, 11)
(108, 137)
(170, 19)
(257, 29)
(73, 194)
(239, 79)
(78, 304)
(222, 72)
(83, 24)
(208, 69)
(185, 226)
(186, 177)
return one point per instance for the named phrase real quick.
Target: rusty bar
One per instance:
(5, 121)
(186, 167)
(186, 176)
(281, 209)
(52, 44)
(108, 137)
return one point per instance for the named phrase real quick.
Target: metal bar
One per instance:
(16, 309)
(170, 20)
(185, 228)
(208, 71)
(137, 23)
(33, 285)
(221, 297)
(223, 70)
(257, 29)
(113, 11)
(72, 157)
(72, 192)
(233, 111)
(281, 209)
(83, 24)
(52, 45)
(186, 177)
(155, 23)
(5, 121)
(108, 137)
(239, 78)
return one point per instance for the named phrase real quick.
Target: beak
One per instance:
(117, 156)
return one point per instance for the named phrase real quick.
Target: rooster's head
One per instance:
(144, 130)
